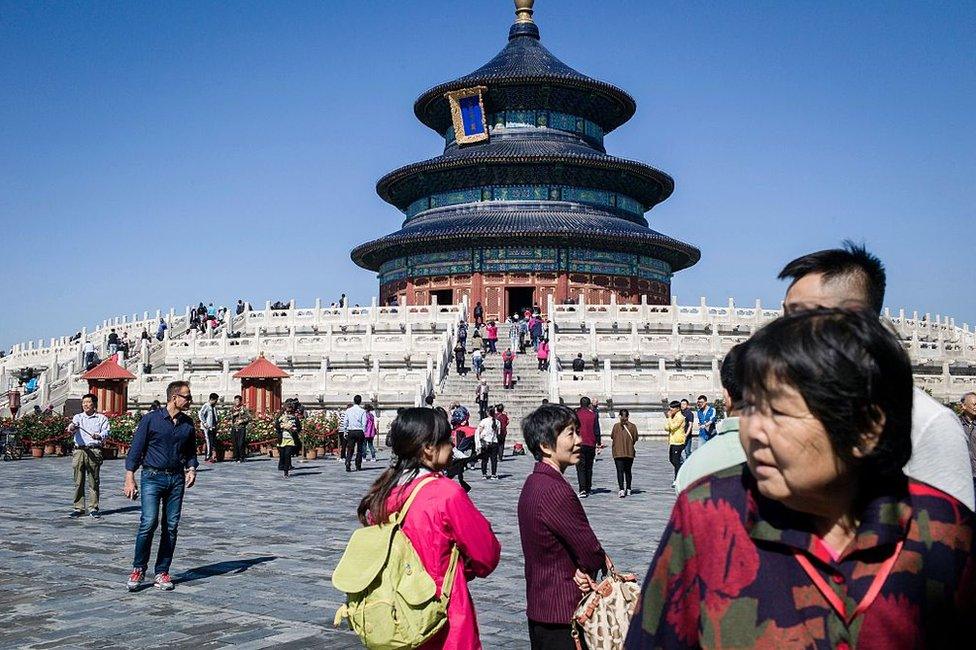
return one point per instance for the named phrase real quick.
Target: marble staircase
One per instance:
(531, 387)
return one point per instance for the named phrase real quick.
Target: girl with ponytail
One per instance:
(441, 516)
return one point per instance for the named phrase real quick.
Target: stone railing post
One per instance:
(607, 380)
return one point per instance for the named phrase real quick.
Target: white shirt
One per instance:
(89, 347)
(87, 426)
(940, 453)
(486, 433)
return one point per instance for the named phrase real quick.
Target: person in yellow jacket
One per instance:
(674, 424)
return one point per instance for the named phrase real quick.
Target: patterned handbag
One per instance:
(604, 614)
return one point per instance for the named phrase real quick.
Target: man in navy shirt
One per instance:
(165, 445)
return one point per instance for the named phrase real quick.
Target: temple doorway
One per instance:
(518, 299)
(444, 296)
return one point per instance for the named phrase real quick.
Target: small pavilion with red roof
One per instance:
(261, 385)
(109, 383)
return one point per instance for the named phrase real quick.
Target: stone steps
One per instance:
(531, 387)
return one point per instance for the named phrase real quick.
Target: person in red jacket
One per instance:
(558, 544)
(589, 431)
(508, 367)
(442, 516)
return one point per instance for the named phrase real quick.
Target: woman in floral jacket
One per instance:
(819, 540)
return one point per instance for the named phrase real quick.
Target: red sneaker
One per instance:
(135, 579)
(163, 582)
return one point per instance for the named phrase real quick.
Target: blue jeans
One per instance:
(369, 449)
(166, 489)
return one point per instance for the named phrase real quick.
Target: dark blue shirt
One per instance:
(161, 443)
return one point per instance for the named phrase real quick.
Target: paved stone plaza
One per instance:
(255, 554)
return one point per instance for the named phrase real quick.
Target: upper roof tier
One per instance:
(525, 75)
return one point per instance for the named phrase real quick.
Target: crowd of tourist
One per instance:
(831, 506)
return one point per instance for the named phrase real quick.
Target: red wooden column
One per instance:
(109, 382)
(261, 385)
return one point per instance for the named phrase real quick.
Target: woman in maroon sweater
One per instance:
(557, 541)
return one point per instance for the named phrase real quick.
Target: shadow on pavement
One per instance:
(116, 511)
(222, 568)
(304, 473)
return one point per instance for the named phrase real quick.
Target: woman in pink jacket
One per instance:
(441, 516)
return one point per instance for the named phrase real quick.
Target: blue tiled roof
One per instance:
(507, 223)
(526, 63)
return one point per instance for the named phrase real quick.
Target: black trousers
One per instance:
(550, 636)
(584, 468)
(240, 446)
(489, 453)
(674, 454)
(456, 470)
(355, 439)
(623, 472)
(284, 458)
(501, 447)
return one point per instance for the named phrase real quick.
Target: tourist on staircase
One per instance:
(477, 339)
(479, 315)
(459, 357)
(523, 324)
(542, 354)
(491, 335)
(477, 361)
(508, 367)
(161, 329)
(623, 437)
(579, 365)
(462, 334)
(535, 331)
(486, 444)
(113, 342)
(513, 332)
(481, 398)
(589, 433)
(89, 350)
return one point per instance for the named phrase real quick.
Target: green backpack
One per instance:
(391, 600)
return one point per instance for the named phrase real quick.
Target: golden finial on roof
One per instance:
(523, 11)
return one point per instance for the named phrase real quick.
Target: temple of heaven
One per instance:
(524, 202)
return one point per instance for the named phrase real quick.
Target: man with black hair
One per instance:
(853, 278)
(689, 416)
(724, 450)
(90, 430)
(355, 433)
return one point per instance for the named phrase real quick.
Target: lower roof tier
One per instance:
(529, 223)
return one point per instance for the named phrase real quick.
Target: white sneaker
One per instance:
(621, 494)
(628, 492)
(674, 482)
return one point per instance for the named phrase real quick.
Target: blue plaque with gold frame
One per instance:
(468, 114)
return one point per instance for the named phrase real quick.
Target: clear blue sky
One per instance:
(154, 154)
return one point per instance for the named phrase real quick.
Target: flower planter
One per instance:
(274, 452)
(37, 451)
(320, 452)
(226, 454)
(50, 449)
(310, 455)
(110, 453)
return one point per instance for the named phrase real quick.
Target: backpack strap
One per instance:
(398, 516)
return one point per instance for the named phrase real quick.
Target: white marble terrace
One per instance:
(637, 356)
